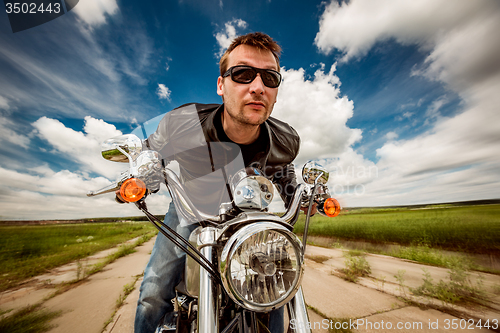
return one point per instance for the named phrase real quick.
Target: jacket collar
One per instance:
(211, 133)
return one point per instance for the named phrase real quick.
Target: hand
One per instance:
(119, 198)
(314, 209)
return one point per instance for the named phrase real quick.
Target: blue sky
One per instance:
(397, 99)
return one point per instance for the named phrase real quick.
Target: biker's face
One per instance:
(248, 104)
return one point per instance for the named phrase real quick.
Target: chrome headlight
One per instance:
(251, 189)
(261, 266)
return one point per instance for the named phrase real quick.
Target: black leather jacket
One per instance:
(188, 135)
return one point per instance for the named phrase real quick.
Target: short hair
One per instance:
(256, 39)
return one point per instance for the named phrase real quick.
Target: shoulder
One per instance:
(282, 128)
(203, 110)
(284, 135)
(189, 115)
(184, 120)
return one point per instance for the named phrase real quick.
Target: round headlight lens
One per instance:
(261, 266)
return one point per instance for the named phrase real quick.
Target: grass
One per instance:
(122, 251)
(31, 319)
(356, 266)
(35, 319)
(27, 251)
(457, 289)
(127, 289)
(334, 324)
(472, 229)
(317, 258)
(428, 255)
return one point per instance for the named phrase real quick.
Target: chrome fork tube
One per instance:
(297, 311)
(208, 302)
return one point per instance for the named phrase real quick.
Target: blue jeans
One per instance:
(163, 273)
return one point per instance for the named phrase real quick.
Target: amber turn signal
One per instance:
(331, 207)
(133, 190)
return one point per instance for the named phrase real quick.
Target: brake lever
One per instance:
(110, 188)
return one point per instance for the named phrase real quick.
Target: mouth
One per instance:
(256, 104)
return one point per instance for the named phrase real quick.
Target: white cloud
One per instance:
(7, 134)
(167, 63)
(356, 26)
(82, 147)
(225, 37)
(98, 130)
(42, 193)
(457, 159)
(163, 92)
(391, 136)
(62, 195)
(433, 109)
(93, 12)
(315, 108)
(4, 103)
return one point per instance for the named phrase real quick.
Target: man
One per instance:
(248, 85)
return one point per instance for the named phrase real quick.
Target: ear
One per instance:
(220, 91)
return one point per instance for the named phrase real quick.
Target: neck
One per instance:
(239, 133)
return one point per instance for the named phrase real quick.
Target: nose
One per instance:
(257, 86)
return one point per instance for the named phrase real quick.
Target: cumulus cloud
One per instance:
(62, 195)
(163, 91)
(354, 27)
(93, 12)
(42, 193)
(82, 147)
(225, 37)
(457, 158)
(316, 109)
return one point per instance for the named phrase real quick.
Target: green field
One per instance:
(27, 251)
(471, 229)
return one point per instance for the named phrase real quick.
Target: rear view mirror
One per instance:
(119, 148)
(312, 170)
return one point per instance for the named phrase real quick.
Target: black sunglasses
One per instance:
(246, 74)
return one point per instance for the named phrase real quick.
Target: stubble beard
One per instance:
(245, 121)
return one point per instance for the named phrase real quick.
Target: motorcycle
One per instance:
(241, 263)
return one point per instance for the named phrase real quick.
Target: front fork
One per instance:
(297, 311)
(208, 298)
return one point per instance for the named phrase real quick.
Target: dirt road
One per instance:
(369, 306)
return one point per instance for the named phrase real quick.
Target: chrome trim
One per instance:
(192, 268)
(110, 188)
(309, 209)
(313, 173)
(184, 205)
(292, 213)
(297, 310)
(146, 164)
(251, 190)
(121, 148)
(234, 243)
(288, 219)
(252, 217)
(208, 299)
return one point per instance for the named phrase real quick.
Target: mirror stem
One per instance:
(309, 209)
(124, 152)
